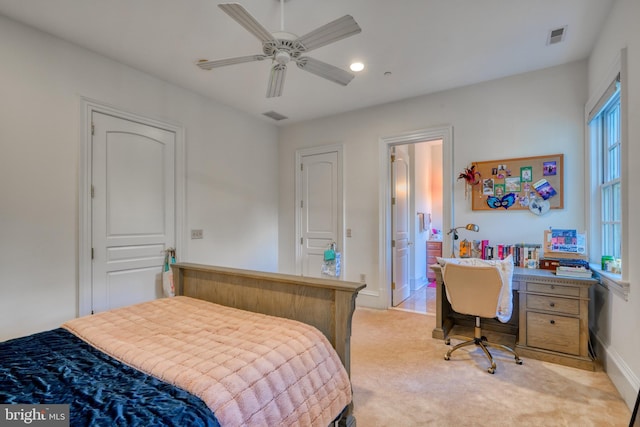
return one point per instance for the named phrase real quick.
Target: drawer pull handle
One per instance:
(552, 304)
(553, 322)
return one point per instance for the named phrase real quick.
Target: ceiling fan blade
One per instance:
(244, 18)
(325, 70)
(208, 65)
(276, 80)
(329, 33)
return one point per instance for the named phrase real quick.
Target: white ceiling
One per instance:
(426, 45)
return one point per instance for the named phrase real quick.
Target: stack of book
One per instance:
(521, 252)
(567, 271)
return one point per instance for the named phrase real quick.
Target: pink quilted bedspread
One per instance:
(250, 369)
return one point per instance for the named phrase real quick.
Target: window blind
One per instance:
(606, 96)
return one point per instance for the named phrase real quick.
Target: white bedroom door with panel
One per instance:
(319, 202)
(132, 210)
(401, 244)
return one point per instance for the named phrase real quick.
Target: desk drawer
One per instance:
(552, 332)
(570, 291)
(553, 303)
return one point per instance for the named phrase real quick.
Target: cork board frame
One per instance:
(499, 178)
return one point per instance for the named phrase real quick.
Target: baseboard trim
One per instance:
(618, 371)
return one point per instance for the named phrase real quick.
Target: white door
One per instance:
(400, 228)
(133, 212)
(319, 202)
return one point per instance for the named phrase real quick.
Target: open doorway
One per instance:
(414, 192)
(416, 222)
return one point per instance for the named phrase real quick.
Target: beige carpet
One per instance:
(400, 378)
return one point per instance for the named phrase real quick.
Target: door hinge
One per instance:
(93, 129)
(393, 158)
(93, 192)
(91, 253)
(393, 243)
(302, 203)
(301, 166)
(393, 286)
(301, 240)
(393, 200)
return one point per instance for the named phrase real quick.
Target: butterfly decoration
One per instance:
(501, 202)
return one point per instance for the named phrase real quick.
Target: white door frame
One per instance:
(88, 106)
(444, 133)
(298, 196)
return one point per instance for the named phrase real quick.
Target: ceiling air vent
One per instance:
(275, 116)
(557, 35)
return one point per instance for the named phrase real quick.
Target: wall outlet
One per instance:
(197, 234)
(363, 278)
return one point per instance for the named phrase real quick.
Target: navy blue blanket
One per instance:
(56, 367)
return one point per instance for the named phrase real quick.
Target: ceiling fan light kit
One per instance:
(283, 47)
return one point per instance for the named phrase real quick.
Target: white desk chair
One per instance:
(475, 290)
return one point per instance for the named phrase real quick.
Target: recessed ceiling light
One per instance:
(357, 66)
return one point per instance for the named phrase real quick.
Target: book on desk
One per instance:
(568, 271)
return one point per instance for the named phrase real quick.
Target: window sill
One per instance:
(611, 281)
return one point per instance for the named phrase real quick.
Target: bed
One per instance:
(254, 349)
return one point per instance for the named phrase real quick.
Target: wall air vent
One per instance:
(275, 116)
(556, 35)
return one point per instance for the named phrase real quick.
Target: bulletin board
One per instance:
(520, 183)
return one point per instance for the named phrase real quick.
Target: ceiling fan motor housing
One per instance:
(282, 57)
(282, 50)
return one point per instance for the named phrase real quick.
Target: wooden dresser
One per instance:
(554, 319)
(434, 249)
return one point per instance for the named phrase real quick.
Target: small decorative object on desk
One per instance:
(465, 249)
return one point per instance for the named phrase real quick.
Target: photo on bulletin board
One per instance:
(511, 184)
(526, 174)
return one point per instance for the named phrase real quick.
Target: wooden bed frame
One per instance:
(326, 304)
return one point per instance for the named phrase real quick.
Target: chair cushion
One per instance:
(505, 267)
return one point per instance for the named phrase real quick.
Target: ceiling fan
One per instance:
(283, 47)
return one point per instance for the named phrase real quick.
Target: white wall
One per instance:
(231, 179)
(537, 113)
(617, 320)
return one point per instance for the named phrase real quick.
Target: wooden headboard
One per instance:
(326, 304)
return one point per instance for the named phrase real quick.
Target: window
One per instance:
(606, 145)
(610, 183)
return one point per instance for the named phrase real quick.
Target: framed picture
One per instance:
(512, 184)
(526, 174)
(498, 190)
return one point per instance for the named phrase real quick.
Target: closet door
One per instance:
(133, 212)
